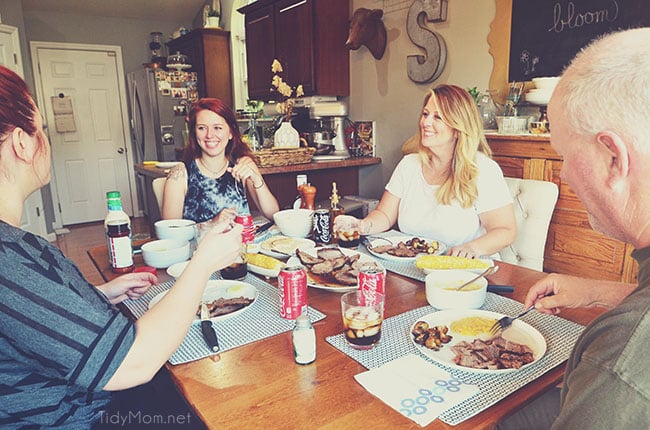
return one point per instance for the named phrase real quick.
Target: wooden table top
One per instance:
(259, 384)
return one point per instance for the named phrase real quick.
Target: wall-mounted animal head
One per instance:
(367, 28)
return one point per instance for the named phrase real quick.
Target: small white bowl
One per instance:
(441, 294)
(176, 270)
(163, 253)
(294, 222)
(184, 229)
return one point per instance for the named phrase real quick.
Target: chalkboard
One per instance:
(546, 34)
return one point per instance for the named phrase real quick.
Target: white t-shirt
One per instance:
(421, 214)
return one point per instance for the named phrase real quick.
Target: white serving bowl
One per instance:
(547, 82)
(182, 229)
(294, 222)
(163, 253)
(441, 294)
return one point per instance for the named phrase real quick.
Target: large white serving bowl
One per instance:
(294, 222)
(546, 82)
(163, 253)
(441, 294)
(183, 229)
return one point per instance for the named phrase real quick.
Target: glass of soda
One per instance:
(362, 319)
(238, 269)
(347, 233)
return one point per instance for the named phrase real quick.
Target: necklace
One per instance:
(218, 172)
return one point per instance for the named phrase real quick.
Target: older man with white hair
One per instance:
(600, 121)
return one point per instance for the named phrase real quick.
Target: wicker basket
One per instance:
(283, 157)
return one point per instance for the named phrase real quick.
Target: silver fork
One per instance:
(506, 322)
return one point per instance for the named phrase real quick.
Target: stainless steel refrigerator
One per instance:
(158, 101)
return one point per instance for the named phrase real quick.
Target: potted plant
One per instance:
(212, 20)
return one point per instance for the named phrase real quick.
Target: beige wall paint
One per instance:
(381, 90)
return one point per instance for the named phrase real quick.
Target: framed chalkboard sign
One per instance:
(546, 34)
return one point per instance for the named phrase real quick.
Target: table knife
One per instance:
(500, 288)
(209, 334)
(263, 228)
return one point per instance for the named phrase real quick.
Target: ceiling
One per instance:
(176, 10)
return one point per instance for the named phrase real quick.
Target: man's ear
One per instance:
(22, 146)
(617, 152)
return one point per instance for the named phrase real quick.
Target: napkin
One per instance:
(416, 388)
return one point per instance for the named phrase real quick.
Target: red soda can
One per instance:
(248, 235)
(371, 282)
(292, 283)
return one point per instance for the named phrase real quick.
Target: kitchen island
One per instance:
(281, 180)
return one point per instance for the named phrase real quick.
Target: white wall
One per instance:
(382, 91)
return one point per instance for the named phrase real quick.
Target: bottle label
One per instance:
(120, 252)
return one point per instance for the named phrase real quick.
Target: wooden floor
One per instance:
(85, 236)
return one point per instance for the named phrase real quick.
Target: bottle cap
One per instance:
(302, 321)
(113, 195)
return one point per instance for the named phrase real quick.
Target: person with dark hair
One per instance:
(64, 346)
(210, 186)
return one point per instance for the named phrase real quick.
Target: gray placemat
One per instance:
(261, 320)
(559, 333)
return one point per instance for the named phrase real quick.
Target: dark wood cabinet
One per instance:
(208, 51)
(307, 37)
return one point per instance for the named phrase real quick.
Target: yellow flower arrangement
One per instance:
(285, 107)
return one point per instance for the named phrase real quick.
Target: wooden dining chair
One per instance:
(158, 185)
(534, 203)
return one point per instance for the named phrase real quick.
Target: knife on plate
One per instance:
(261, 229)
(209, 334)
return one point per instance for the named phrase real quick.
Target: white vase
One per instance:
(286, 136)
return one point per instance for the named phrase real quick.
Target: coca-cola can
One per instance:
(292, 283)
(372, 281)
(322, 226)
(248, 235)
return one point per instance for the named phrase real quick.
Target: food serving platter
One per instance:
(166, 164)
(394, 240)
(328, 283)
(221, 289)
(488, 263)
(282, 246)
(519, 332)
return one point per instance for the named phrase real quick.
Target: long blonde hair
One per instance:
(458, 110)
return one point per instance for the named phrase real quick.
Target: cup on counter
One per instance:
(362, 319)
(347, 234)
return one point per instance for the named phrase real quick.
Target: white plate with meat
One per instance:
(282, 246)
(403, 248)
(463, 353)
(224, 298)
(333, 268)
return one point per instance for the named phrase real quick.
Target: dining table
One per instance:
(259, 385)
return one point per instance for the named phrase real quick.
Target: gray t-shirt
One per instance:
(607, 382)
(60, 339)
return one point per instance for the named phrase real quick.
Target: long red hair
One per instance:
(17, 108)
(235, 148)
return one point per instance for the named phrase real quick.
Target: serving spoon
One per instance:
(486, 272)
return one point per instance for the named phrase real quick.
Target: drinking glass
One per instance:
(362, 319)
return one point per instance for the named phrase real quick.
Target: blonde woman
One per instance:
(451, 190)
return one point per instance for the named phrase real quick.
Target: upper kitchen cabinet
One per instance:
(307, 37)
(208, 51)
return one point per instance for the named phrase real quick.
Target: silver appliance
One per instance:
(158, 112)
(332, 119)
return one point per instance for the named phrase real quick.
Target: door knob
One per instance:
(120, 150)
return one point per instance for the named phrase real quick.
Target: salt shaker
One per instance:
(304, 340)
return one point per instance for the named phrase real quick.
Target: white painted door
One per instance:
(92, 158)
(33, 217)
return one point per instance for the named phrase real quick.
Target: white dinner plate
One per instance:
(328, 284)
(487, 260)
(377, 241)
(285, 245)
(166, 164)
(519, 332)
(216, 289)
(175, 270)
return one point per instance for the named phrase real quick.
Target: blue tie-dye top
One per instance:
(206, 197)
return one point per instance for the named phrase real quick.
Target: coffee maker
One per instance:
(330, 119)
